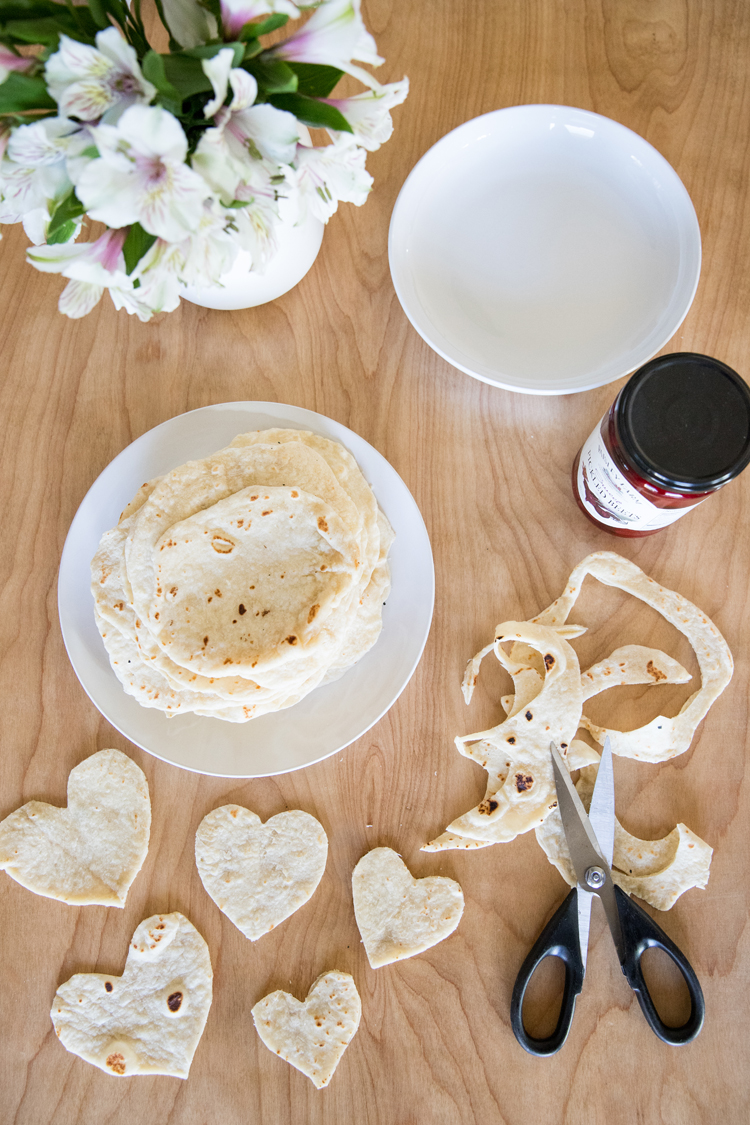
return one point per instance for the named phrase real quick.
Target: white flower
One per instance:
(236, 13)
(326, 176)
(256, 224)
(10, 61)
(34, 175)
(39, 171)
(47, 141)
(243, 136)
(333, 36)
(87, 82)
(200, 259)
(141, 176)
(368, 113)
(91, 266)
(159, 293)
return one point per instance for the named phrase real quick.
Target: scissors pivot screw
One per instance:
(594, 877)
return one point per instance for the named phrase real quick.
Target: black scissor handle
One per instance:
(559, 938)
(640, 932)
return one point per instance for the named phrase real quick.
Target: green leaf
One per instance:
(253, 48)
(31, 9)
(45, 31)
(314, 80)
(137, 243)
(310, 112)
(99, 14)
(186, 74)
(154, 70)
(274, 76)
(63, 233)
(209, 50)
(64, 216)
(262, 27)
(20, 92)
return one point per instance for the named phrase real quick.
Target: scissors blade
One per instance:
(585, 899)
(583, 845)
(602, 807)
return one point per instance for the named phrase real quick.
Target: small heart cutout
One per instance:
(91, 851)
(149, 1020)
(398, 915)
(258, 874)
(311, 1034)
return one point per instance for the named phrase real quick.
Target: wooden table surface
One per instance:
(490, 472)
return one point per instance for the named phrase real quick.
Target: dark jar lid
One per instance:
(683, 421)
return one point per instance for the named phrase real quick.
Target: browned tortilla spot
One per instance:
(174, 1001)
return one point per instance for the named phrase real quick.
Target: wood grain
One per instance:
(490, 472)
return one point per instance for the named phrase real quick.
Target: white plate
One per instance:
(544, 249)
(330, 717)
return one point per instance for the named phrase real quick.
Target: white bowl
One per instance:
(544, 249)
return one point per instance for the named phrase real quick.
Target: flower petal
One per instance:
(78, 298)
(217, 71)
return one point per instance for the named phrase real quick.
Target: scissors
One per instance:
(590, 842)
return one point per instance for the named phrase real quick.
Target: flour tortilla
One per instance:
(399, 916)
(149, 1020)
(313, 1034)
(259, 874)
(340, 631)
(90, 852)
(198, 485)
(245, 581)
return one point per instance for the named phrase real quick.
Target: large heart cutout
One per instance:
(311, 1034)
(258, 874)
(149, 1020)
(91, 851)
(398, 915)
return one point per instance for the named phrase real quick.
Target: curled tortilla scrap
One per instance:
(658, 871)
(520, 786)
(663, 738)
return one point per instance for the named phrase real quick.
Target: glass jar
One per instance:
(678, 430)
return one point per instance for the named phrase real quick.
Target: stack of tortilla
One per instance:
(235, 585)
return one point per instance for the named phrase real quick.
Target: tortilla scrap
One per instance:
(149, 1020)
(311, 1034)
(259, 874)
(662, 738)
(658, 871)
(90, 852)
(399, 916)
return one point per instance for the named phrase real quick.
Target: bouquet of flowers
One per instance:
(186, 157)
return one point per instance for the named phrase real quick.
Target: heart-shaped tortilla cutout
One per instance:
(258, 874)
(398, 915)
(311, 1034)
(149, 1020)
(91, 851)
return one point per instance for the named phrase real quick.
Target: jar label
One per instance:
(610, 498)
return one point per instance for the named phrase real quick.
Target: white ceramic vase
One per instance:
(243, 288)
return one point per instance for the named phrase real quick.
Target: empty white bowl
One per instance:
(544, 249)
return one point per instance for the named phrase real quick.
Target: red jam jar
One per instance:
(678, 430)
